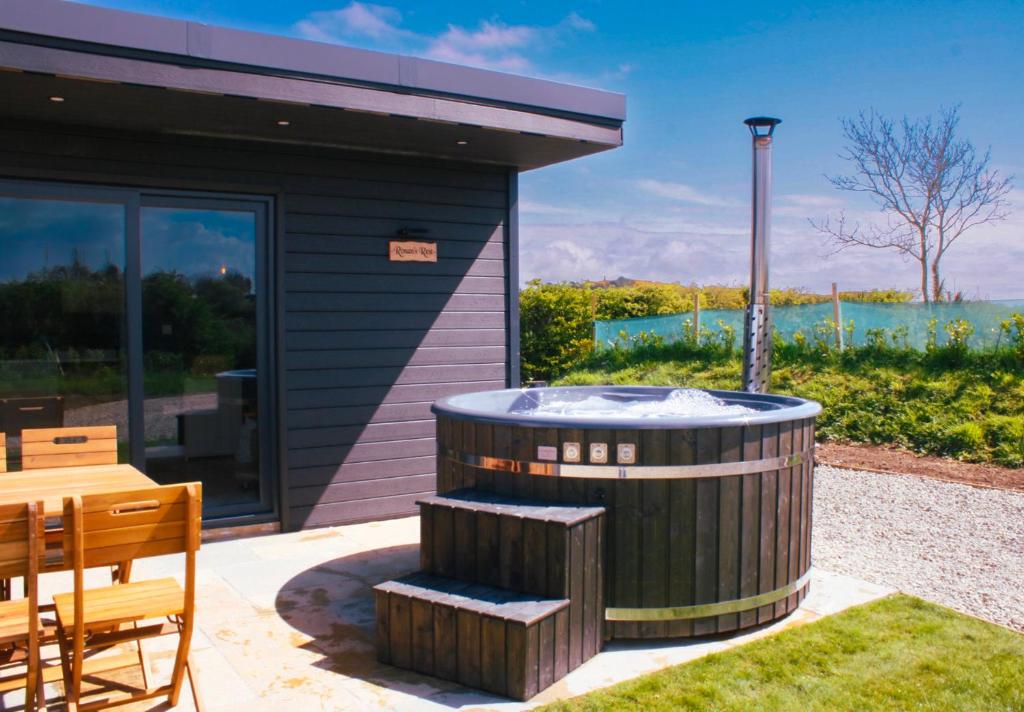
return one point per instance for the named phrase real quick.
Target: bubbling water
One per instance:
(682, 402)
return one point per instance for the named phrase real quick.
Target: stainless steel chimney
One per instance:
(757, 330)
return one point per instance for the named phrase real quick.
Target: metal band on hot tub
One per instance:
(704, 610)
(627, 472)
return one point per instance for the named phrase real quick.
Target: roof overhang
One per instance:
(141, 73)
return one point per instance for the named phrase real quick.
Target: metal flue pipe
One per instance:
(757, 330)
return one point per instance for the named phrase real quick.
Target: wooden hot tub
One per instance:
(708, 516)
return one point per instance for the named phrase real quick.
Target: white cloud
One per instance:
(683, 193)
(798, 205)
(378, 22)
(534, 207)
(492, 44)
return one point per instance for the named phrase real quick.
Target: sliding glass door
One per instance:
(202, 300)
(148, 311)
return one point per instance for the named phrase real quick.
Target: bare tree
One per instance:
(932, 187)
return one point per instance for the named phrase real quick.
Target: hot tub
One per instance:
(708, 525)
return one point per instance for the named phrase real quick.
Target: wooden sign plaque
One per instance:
(412, 251)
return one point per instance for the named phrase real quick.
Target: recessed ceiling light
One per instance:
(56, 99)
(284, 122)
(461, 142)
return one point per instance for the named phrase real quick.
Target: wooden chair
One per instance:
(21, 552)
(104, 529)
(68, 447)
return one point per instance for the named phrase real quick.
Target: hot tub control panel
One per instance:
(599, 453)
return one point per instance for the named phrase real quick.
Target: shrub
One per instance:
(965, 439)
(1005, 436)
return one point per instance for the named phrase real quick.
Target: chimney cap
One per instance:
(762, 122)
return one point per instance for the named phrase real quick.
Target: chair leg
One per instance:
(31, 687)
(181, 661)
(190, 670)
(67, 667)
(142, 659)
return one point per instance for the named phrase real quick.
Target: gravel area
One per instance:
(953, 544)
(160, 414)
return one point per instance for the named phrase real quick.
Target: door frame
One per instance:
(133, 200)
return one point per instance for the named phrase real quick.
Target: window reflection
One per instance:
(62, 356)
(200, 351)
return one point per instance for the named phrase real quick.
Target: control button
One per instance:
(599, 453)
(626, 453)
(571, 452)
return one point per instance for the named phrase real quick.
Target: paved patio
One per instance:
(286, 622)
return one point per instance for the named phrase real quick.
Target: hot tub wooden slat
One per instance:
(769, 521)
(464, 532)
(729, 522)
(706, 555)
(577, 567)
(546, 488)
(522, 449)
(626, 520)
(795, 514)
(511, 555)
(591, 573)
(750, 548)
(682, 544)
(785, 494)
(654, 531)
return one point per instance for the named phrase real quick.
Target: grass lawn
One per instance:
(899, 653)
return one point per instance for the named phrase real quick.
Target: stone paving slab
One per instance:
(286, 621)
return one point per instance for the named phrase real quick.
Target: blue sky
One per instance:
(672, 203)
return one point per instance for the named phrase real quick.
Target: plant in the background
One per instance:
(556, 328)
(726, 336)
(901, 337)
(848, 329)
(1013, 329)
(824, 334)
(691, 332)
(958, 332)
(931, 341)
(878, 296)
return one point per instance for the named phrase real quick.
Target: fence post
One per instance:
(837, 316)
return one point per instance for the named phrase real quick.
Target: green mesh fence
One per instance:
(903, 323)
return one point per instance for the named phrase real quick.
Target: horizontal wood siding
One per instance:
(367, 344)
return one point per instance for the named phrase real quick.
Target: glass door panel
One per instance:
(201, 351)
(62, 320)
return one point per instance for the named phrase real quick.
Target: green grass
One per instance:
(898, 653)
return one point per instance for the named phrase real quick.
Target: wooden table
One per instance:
(53, 484)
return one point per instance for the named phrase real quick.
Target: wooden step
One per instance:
(535, 548)
(508, 643)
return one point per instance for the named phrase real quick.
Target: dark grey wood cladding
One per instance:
(366, 344)
(669, 542)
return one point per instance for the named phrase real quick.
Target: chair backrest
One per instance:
(110, 528)
(22, 545)
(3, 452)
(67, 447)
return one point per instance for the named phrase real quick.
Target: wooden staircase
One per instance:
(510, 597)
